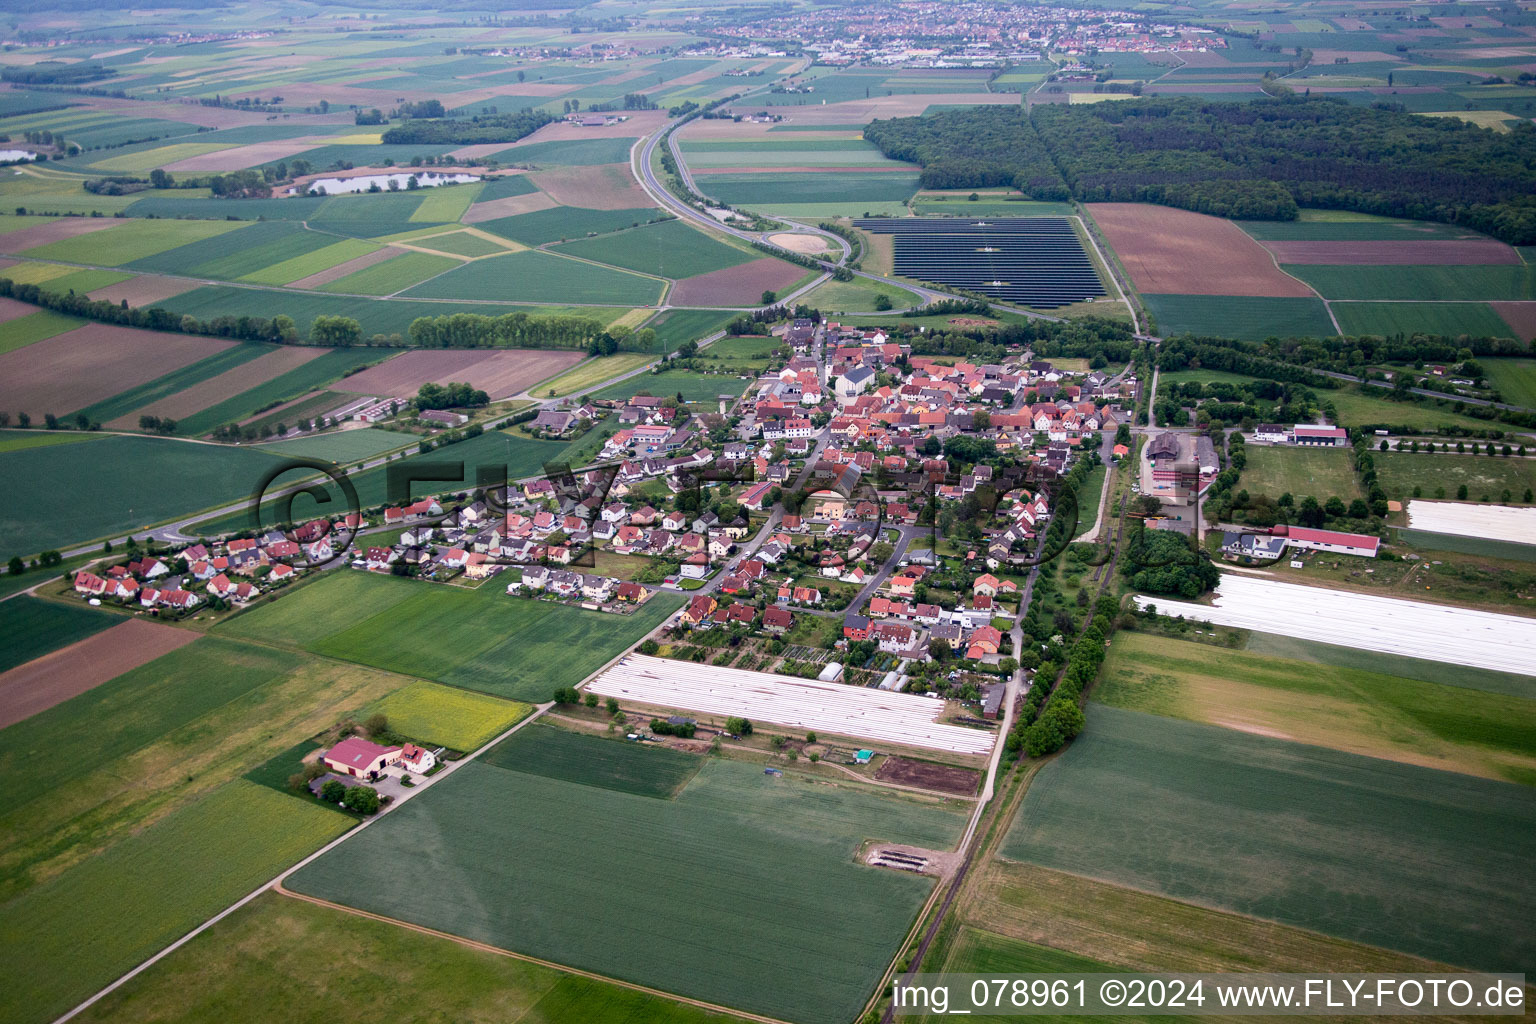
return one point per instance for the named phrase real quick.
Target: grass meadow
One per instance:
(1353, 709)
(591, 372)
(449, 717)
(1423, 861)
(776, 851)
(1514, 378)
(478, 639)
(1321, 472)
(858, 296)
(1400, 472)
(33, 627)
(259, 963)
(694, 387)
(1356, 408)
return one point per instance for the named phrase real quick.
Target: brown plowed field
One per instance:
(225, 385)
(500, 372)
(341, 270)
(508, 207)
(1177, 252)
(72, 370)
(42, 234)
(59, 675)
(1446, 252)
(10, 309)
(594, 187)
(741, 285)
(242, 157)
(1521, 317)
(942, 777)
(145, 290)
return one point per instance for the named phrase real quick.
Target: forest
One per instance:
(468, 131)
(1257, 160)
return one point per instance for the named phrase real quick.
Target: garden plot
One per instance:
(1461, 636)
(1503, 522)
(801, 703)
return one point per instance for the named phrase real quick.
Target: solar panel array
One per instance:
(1034, 261)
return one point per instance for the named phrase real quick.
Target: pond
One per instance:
(400, 181)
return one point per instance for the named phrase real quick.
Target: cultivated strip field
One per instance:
(741, 285)
(54, 678)
(224, 386)
(1175, 251)
(499, 373)
(1463, 520)
(1461, 636)
(800, 703)
(1390, 253)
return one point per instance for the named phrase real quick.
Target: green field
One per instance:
(77, 492)
(744, 353)
(845, 188)
(857, 296)
(1419, 284)
(318, 404)
(1321, 472)
(607, 763)
(675, 326)
(1356, 409)
(669, 249)
(33, 627)
(613, 860)
(124, 402)
(447, 717)
(1400, 472)
(1372, 851)
(1515, 379)
(591, 372)
(131, 240)
(75, 933)
(1351, 227)
(260, 963)
(1385, 319)
(539, 277)
(25, 330)
(463, 243)
(479, 639)
(694, 387)
(261, 246)
(17, 440)
(1090, 494)
(564, 222)
(1508, 683)
(344, 446)
(1246, 317)
(83, 281)
(570, 152)
(447, 203)
(392, 275)
(1360, 711)
(314, 262)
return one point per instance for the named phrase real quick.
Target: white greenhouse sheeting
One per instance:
(902, 718)
(1461, 636)
(1495, 522)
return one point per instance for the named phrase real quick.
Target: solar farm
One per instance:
(1036, 261)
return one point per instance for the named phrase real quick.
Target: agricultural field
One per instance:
(216, 390)
(1384, 319)
(1419, 283)
(478, 639)
(76, 492)
(500, 373)
(33, 627)
(448, 717)
(1515, 379)
(33, 327)
(129, 241)
(189, 376)
(605, 762)
(1169, 251)
(670, 249)
(539, 277)
(1187, 811)
(1034, 261)
(1320, 472)
(310, 374)
(593, 372)
(260, 962)
(743, 353)
(55, 677)
(1252, 318)
(741, 285)
(673, 327)
(392, 275)
(342, 446)
(66, 938)
(1360, 711)
(17, 440)
(541, 227)
(1401, 473)
(693, 386)
(784, 839)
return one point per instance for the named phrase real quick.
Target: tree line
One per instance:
(1258, 160)
(469, 131)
